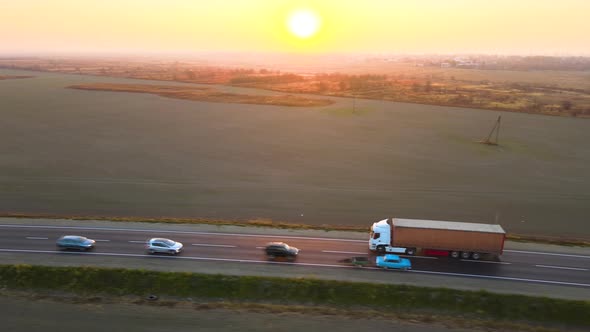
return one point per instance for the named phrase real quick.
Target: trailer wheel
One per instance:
(411, 251)
(476, 255)
(465, 254)
(455, 254)
(381, 250)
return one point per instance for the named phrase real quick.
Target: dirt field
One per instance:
(205, 94)
(12, 77)
(74, 152)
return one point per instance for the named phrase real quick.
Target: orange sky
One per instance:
(386, 26)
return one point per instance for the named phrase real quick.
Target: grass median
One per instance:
(297, 292)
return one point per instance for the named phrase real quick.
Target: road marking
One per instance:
(97, 240)
(489, 262)
(562, 267)
(37, 238)
(546, 253)
(344, 252)
(502, 278)
(260, 248)
(182, 232)
(296, 264)
(214, 245)
(137, 241)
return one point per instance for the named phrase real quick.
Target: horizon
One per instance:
(148, 54)
(324, 28)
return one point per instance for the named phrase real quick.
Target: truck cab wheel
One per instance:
(381, 250)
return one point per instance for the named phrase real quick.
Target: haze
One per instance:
(371, 26)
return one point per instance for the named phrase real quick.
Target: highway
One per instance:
(561, 273)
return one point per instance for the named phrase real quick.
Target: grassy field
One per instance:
(495, 309)
(29, 311)
(99, 153)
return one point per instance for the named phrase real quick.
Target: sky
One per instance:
(528, 27)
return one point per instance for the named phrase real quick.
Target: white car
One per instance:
(165, 246)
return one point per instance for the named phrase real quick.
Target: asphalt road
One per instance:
(533, 270)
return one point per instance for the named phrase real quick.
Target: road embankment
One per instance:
(480, 305)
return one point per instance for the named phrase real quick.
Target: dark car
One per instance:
(280, 249)
(75, 242)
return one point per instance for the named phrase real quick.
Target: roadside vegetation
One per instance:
(260, 222)
(495, 310)
(541, 86)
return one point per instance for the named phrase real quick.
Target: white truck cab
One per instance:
(380, 239)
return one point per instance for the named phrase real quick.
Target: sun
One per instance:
(303, 23)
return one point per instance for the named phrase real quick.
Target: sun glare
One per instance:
(303, 23)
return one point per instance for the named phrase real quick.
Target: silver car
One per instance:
(166, 246)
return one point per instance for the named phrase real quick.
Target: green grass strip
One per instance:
(90, 280)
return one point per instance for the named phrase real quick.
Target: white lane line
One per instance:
(503, 278)
(260, 248)
(37, 238)
(344, 252)
(546, 253)
(183, 232)
(97, 240)
(299, 264)
(137, 241)
(489, 262)
(562, 267)
(214, 245)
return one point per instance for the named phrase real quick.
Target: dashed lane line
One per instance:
(213, 245)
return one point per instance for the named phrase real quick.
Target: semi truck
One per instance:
(433, 237)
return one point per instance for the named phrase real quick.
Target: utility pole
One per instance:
(496, 128)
